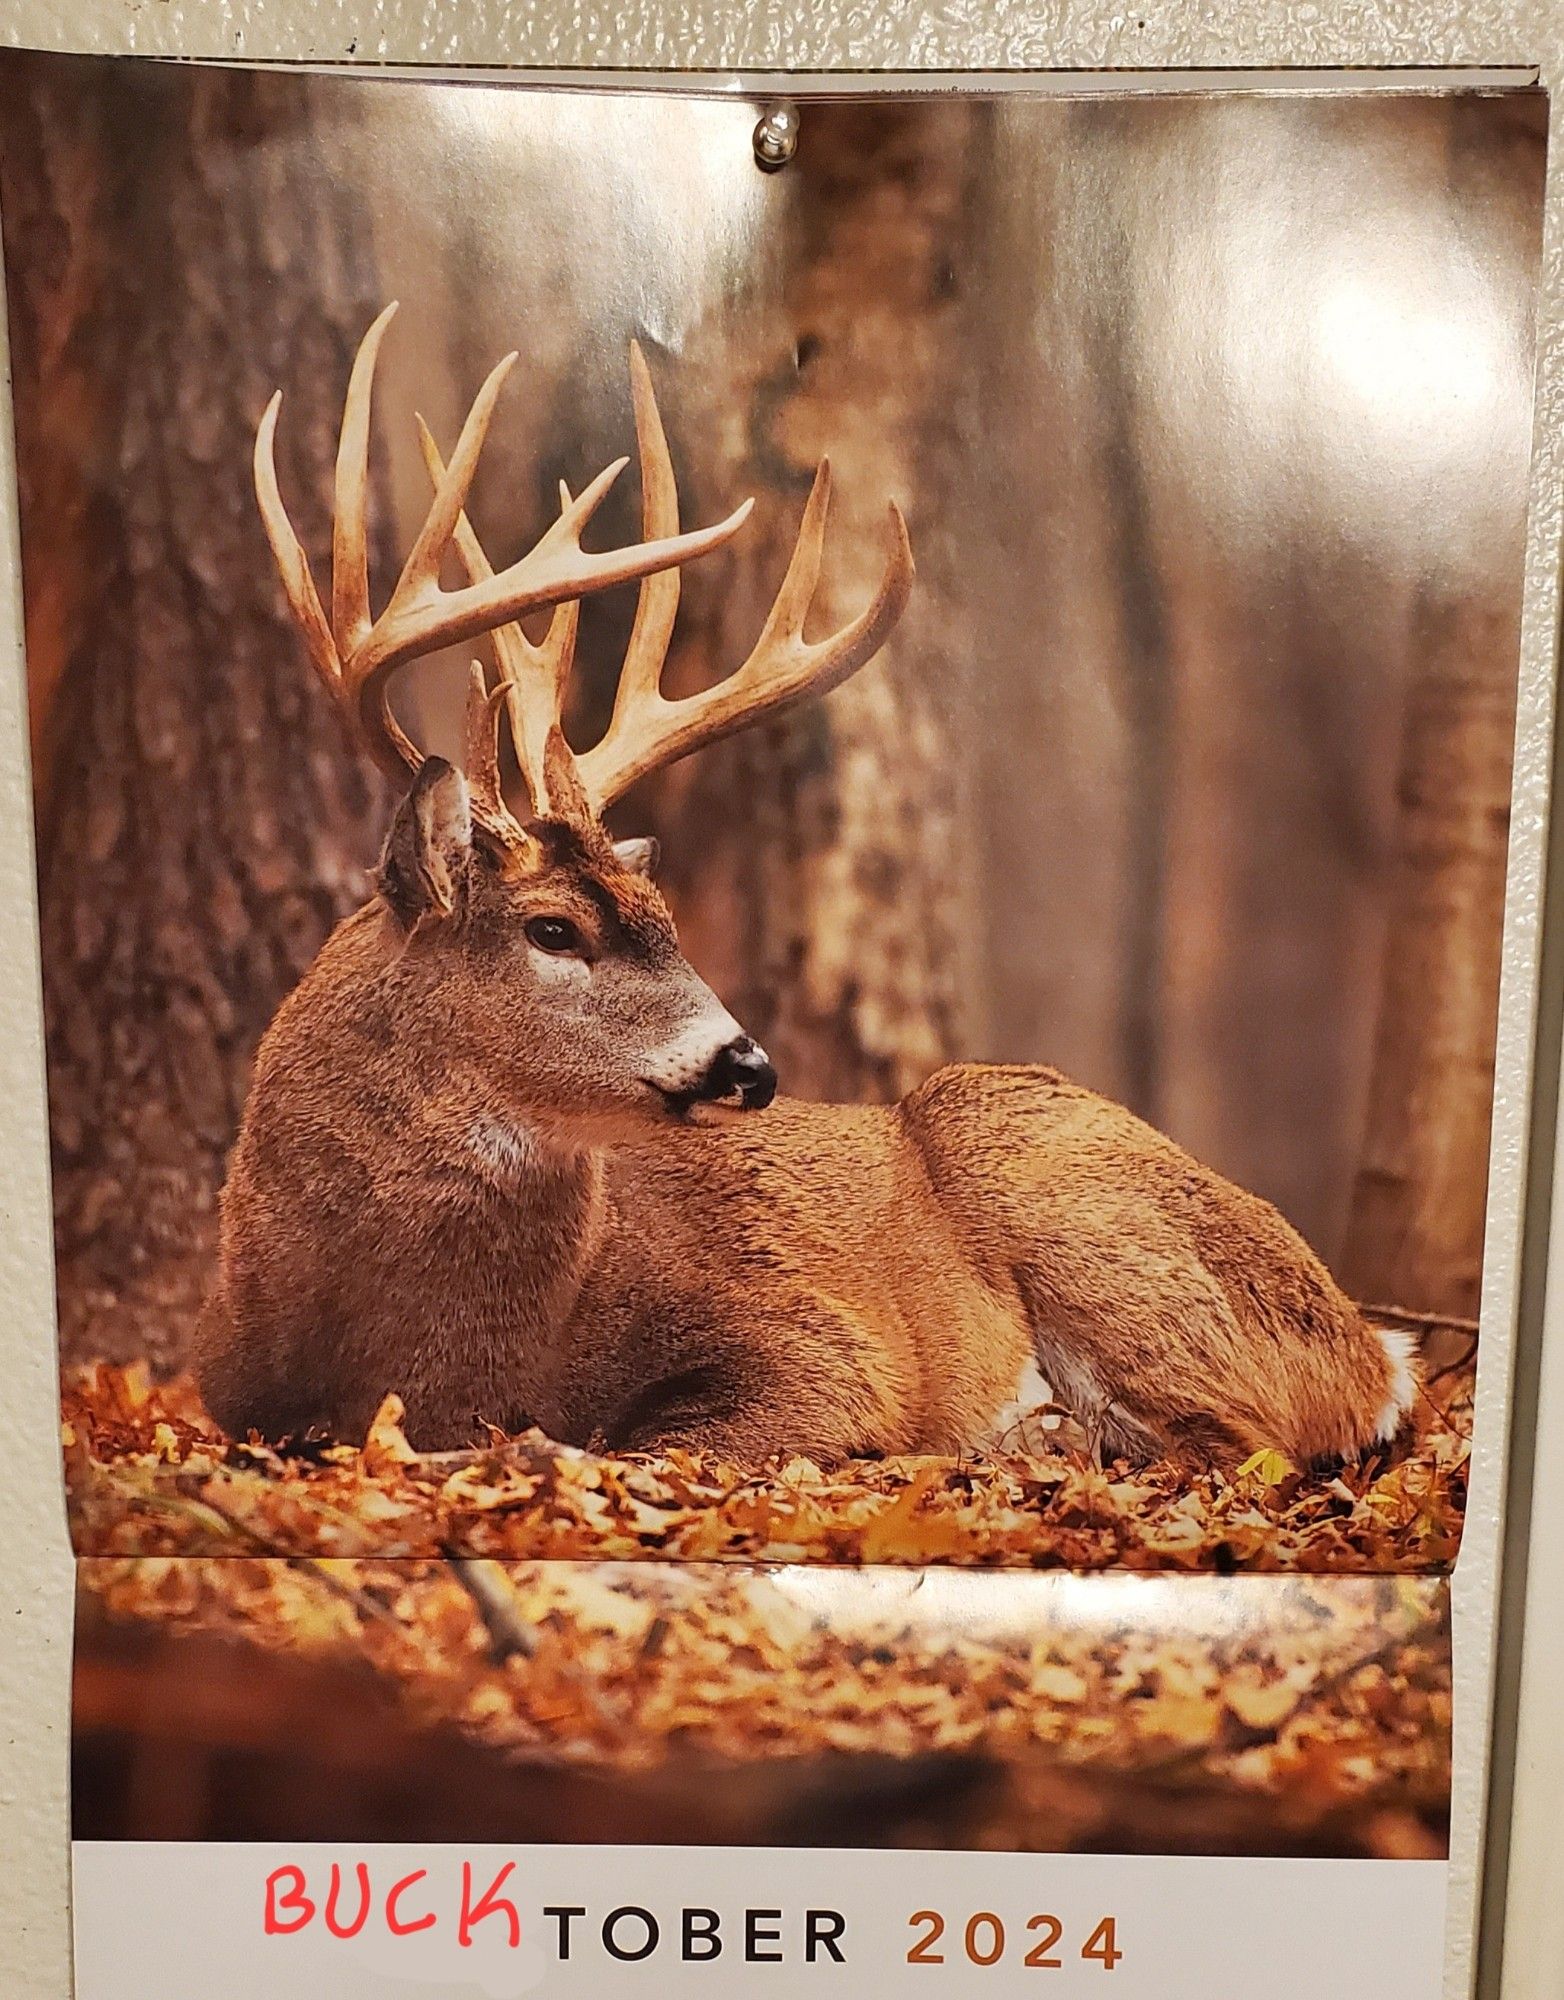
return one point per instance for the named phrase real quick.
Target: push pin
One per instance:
(776, 136)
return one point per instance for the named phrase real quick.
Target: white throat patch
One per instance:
(505, 1148)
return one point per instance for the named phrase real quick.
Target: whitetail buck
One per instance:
(505, 1154)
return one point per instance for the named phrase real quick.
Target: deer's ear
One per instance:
(637, 857)
(428, 852)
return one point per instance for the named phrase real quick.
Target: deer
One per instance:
(505, 1154)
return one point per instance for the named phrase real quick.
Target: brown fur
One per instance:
(453, 1183)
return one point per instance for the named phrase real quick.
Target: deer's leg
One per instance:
(804, 1381)
(1146, 1354)
(247, 1372)
(1168, 1308)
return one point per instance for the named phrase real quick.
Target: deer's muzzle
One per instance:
(740, 1069)
(738, 1077)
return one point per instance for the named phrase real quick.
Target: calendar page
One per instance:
(772, 838)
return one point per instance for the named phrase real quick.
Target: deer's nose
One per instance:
(741, 1068)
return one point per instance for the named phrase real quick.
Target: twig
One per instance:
(194, 1491)
(366, 1606)
(511, 1635)
(1337, 1678)
(489, 1588)
(1428, 1322)
(531, 1446)
(1454, 1367)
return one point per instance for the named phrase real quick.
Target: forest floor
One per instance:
(455, 1646)
(148, 1472)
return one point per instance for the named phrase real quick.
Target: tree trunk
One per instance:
(1419, 1202)
(174, 253)
(1416, 1232)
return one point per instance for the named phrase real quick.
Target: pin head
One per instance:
(776, 136)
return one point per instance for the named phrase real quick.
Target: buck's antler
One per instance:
(647, 730)
(355, 653)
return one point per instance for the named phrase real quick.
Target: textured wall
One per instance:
(760, 38)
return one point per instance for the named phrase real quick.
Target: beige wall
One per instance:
(797, 34)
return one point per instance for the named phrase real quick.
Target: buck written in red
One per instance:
(348, 1902)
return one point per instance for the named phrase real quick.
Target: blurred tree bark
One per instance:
(1416, 1232)
(1415, 1237)
(173, 256)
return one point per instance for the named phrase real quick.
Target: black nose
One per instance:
(742, 1068)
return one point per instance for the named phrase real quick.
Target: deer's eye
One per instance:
(556, 934)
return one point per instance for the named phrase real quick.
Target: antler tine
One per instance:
(782, 669)
(350, 616)
(386, 738)
(450, 495)
(422, 617)
(657, 605)
(537, 679)
(292, 563)
(638, 698)
(333, 645)
(533, 679)
(481, 758)
(356, 653)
